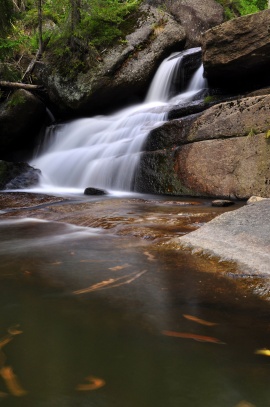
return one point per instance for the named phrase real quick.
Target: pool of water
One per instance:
(92, 318)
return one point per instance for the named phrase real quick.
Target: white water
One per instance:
(104, 151)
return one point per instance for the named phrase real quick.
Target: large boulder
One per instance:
(237, 52)
(222, 152)
(118, 75)
(231, 168)
(196, 16)
(21, 118)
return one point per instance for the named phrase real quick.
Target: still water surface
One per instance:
(92, 318)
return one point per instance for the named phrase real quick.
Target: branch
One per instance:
(18, 85)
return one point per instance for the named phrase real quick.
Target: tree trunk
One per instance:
(75, 18)
(40, 26)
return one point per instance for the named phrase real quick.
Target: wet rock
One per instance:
(169, 135)
(222, 203)
(18, 175)
(21, 118)
(156, 174)
(237, 52)
(94, 191)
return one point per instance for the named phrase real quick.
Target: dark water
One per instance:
(87, 309)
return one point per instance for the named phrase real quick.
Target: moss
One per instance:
(17, 99)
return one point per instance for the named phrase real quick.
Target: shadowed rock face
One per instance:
(237, 53)
(21, 119)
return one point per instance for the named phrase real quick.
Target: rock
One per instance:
(240, 236)
(171, 134)
(94, 191)
(196, 16)
(259, 92)
(237, 118)
(237, 52)
(122, 74)
(21, 118)
(255, 199)
(222, 203)
(18, 175)
(230, 168)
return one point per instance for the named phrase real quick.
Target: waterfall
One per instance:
(104, 151)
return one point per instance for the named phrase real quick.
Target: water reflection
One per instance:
(106, 346)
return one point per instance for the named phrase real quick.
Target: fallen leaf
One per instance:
(5, 340)
(12, 382)
(149, 256)
(199, 321)
(119, 267)
(111, 283)
(94, 383)
(244, 404)
(186, 335)
(13, 330)
(264, 352)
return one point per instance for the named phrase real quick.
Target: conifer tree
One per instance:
(6, 12)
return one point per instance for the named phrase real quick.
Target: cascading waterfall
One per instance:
(104, 151)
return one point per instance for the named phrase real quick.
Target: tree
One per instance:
(6, 14)
(75, 18)
(40, 21)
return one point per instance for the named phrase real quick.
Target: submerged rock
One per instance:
(18, 175)
(222, 203)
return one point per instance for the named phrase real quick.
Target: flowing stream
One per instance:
(104, 151)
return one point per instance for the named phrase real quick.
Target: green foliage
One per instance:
(236, 8)
(267, 135)
(103, 21)
(252, 132)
